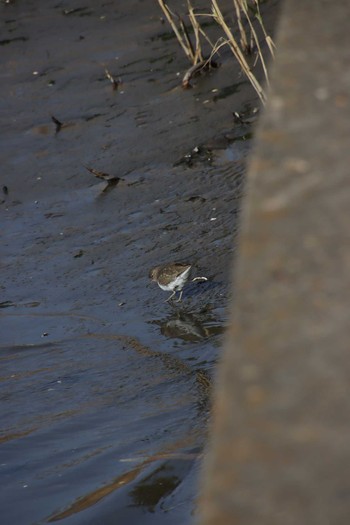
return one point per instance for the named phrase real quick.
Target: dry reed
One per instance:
(247, 16)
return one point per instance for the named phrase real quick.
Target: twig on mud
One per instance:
(109, 179)
(57, 123)
(74, 10)
(195, 70)
(115, 82)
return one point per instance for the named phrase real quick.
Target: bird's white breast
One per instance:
(178, 283)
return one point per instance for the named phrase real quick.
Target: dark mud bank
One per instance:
(106, 388)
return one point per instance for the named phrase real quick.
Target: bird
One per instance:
(171, 277)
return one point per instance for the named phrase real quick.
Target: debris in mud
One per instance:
(80, 253)
(196, 69)
(136, 182)
(57, 123)
(115, 82)
(205, 153)
(5, 192)
(53, 215)
(15, 39)
(7, 304)
(169, 227)
(87, 118)
(31, 304)
(196, 198)
(104, 176)
(50, 70)
(76, 10)
(237, 117)
(245, 117)
(109, 179)
(196, 156)
(244, 137)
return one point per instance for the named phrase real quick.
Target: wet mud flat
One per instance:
(105, 388)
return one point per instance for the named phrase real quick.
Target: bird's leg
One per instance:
(180, 297)
(172, 295)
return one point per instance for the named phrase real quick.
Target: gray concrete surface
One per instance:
(280, 440)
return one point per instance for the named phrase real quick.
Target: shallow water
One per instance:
(105, 388)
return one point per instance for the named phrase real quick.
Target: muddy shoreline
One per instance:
(105, 388)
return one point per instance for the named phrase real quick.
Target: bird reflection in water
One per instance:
(189, 326)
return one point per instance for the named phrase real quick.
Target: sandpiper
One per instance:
(171, 277)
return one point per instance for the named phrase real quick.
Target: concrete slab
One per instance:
(280, 443)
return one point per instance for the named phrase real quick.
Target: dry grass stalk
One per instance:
(241, 5)
(236, 50)
(255, 38)
(196, 28)
(182, 39)
(244, 39)
(181, 33)
(194, 52)
(269, 41)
